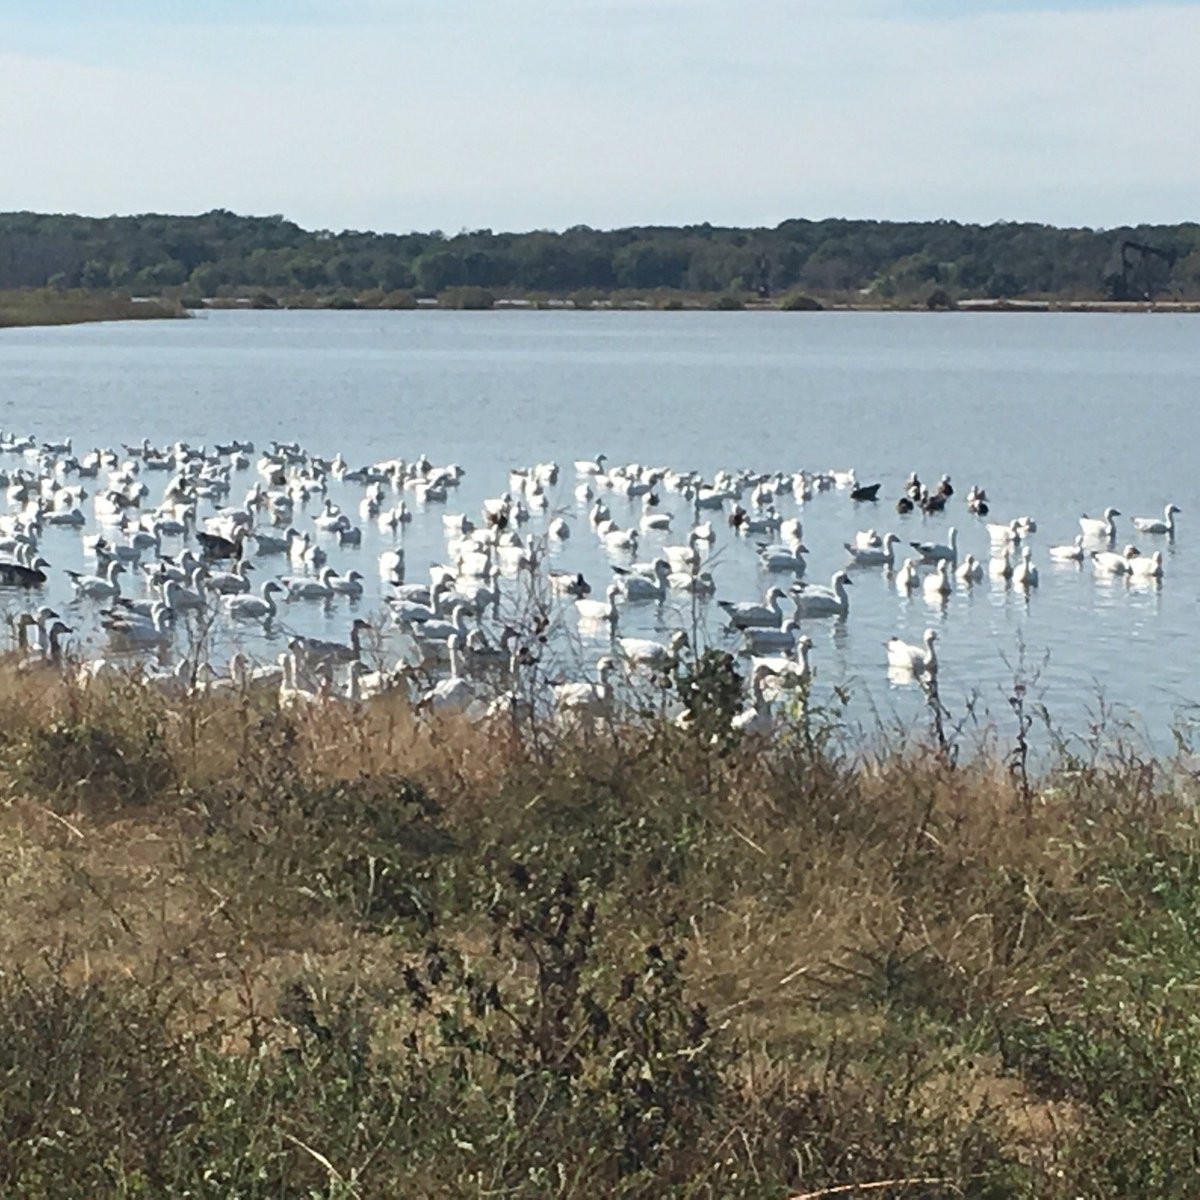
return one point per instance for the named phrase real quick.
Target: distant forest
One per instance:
(221, 254)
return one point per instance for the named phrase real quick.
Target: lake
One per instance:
(1055, 415)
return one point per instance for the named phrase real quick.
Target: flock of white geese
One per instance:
(226, 538)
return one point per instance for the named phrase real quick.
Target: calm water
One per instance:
(1054, 415)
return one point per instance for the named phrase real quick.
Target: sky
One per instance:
(520, 114)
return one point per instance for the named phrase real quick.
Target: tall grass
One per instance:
(48, 306)
(349, 952)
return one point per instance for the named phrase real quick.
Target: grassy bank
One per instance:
(344, 953)
(46, 306)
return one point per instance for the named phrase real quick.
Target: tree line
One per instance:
(220, 253)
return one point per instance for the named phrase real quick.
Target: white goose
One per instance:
(920, 660)
(685, 558)
(755, 720)
(639, 587)
(232, 583)
(1102, 529)
(1025, 574)
(312, 589)
(1109, 562)
(141, 631)
(938, 586)
(1154, 525)
(349, 585)
(644, 652)
(762, 641)
(908, 578)
(1071, 553)
(747, 614)
(1147, 567)
(1000, 535)
(970, 570)
(255, 608)
(882, 555)
(784, 556)
(1001, 567)
(97, 587)
(453, 692)
(582, 698)
(788, 668)
(825, 602)
(932, 552)
(596, 611)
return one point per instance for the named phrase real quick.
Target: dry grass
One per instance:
(893, 969)
(46, 306)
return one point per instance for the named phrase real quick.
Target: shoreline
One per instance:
(40, 308)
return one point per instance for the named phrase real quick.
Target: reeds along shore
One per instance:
(47, 306)
(345, 951)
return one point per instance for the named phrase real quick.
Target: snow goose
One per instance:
(348, 585)
(748, 614)
(932, 552)
(883, 555)
(684, 558)
(591, 466)
(825, 602)
(700, 584)
(316, 651)
(582, 698)
(1071, 553)
(1109, 562)
(312, 589)
(920, 660)
(636, 586)
(294, 691)
(97, 587)
(616, 540)
(760, 640)
(255, 608)
(391, 565)
(790, 669)
(595, 611)
(1001, 567)
(232, 583)
(439, 629)
(938, 586)
(908, 578)
(970, 570)
(558, 529)
(654, 519)
(453, 692)
(1025, 574)
(784, 557)
(644, 652)
(1101, 529)
(755, 720)
(568, 583)
(192, 596)
(1154, 525)
(1147, 567)
(140, 631)
(1004, 534)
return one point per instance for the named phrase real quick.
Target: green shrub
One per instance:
(799, 302)
(471, 298)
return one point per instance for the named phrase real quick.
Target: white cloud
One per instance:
(622, 111)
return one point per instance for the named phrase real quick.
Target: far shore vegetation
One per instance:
(49, 306)
(222, 259)
(357, 952)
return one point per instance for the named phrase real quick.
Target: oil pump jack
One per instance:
(1147, 289)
